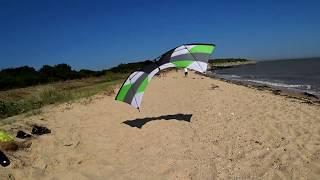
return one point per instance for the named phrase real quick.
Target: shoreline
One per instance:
(304, 96)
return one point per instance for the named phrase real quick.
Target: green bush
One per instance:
(9, 108)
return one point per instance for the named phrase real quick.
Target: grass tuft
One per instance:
(50, 95)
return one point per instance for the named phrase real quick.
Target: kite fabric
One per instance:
(191, 56)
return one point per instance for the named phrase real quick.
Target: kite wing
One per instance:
(191, 56)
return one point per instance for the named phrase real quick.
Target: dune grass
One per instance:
(33, 98)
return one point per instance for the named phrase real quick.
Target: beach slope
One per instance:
(188, 128)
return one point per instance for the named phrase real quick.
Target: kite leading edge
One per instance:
(191, 56)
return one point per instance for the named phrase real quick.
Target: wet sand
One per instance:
(188, 128)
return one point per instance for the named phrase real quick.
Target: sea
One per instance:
(295, 74)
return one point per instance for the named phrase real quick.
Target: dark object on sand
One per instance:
(138, 123)
(23, 135)
(276, 92)
(263, 87)
(4, 160)
(40, 130)
(9, 146)
(214, 86)
(310, 95)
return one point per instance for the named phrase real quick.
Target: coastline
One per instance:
(304, 96)
(298, 78)
(188, 128)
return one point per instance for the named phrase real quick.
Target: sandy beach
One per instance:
(188, 128)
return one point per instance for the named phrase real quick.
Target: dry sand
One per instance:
(235, 133)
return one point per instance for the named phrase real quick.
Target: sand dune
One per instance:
(234, 133)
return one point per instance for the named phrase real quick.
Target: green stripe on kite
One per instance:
(182, 63)
(143, 85)
(202, 49)
(123, 92)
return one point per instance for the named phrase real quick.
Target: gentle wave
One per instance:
(299, 86)
(229, 76)
(265, 82)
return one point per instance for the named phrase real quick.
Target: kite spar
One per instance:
(191, 56)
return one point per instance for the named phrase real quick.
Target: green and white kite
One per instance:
(191, 56)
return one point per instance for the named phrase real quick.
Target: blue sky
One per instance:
(100, 34)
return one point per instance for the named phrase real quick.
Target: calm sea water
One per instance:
(298, 74)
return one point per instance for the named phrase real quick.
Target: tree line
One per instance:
(27, 76)
(227, 60)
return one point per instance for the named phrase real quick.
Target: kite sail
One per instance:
(191, 56)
